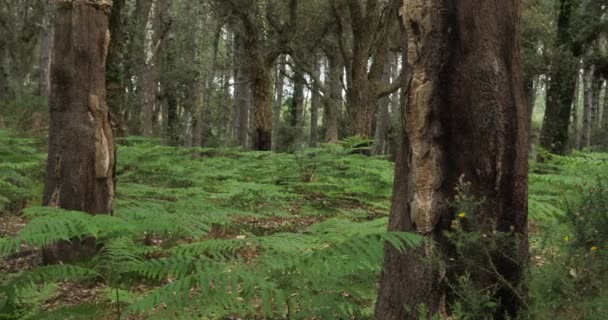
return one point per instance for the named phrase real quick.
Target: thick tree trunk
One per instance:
(242, 95)
(261, 91)
(554, 133)
(332, 111)
(115, 72)
(80, 172)
(278, 102)
(4, 87)
(46, 49)
(466, 116)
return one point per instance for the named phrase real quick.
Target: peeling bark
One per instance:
(465, 115)
(80, 172)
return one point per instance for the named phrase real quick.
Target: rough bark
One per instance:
(564, 64)
(80, 173)
(466, 115)
(261, 88)
(46, 49)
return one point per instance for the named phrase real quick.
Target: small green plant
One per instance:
(479, 249)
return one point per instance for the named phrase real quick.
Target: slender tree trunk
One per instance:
(242, 94)
(575, 120)
(278, 103)
(596, 88)
(297, 110)
(554, 133)
(315, 103)
(151, 70)
(587, 108)
(46, 49)
(80, 172)
(332, 112)
(459, 124)
(382, 117)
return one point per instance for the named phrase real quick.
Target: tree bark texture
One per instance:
(80, 173)
(46, 49)
(466, 115)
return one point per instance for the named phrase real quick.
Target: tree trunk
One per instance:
(297, 110)
(261, 91)
(115, 72)
(332, 112)
(242, 94)
(4, 87)
(564, 64)
(575, 119)
(278, 103)
(587, 108)
(382, 117)
(596, 88)
(315, 102)
(80, 173)
(46, 49)
(466, 116)
(151, 70)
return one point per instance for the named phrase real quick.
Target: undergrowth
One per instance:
(226, 234)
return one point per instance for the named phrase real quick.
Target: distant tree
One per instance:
(465, 116)
(80, 173)
(364, 33)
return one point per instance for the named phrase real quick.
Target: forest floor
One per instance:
(296, 225)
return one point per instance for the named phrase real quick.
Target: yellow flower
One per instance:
(566, 238)
(594, 249)
(462, 215)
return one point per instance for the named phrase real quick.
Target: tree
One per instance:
(261, 57)
(80, 173)
(154, 34)
(465, 116)
(362, 38)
